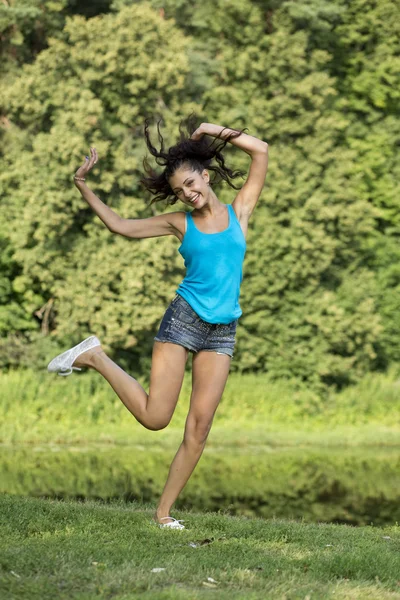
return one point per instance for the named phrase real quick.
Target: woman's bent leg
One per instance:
(210, 372)
(155, 409)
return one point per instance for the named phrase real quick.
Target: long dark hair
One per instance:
(196, 154)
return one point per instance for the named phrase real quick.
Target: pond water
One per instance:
(353, 486)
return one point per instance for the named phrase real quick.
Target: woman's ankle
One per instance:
(96, 355)
(162, 513)
(88, 358)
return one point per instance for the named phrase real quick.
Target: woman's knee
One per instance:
(155, 420)
(197, 429)
(155, 423)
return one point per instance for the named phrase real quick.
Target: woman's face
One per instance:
(191, 187)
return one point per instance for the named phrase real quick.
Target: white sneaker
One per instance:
(174, 524)
(62, 364)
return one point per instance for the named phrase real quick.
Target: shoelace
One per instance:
(65, 373)
(174, 521)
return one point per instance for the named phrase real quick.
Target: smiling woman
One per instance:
(194, 151)
(203, 316)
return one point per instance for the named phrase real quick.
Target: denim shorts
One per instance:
(182, 325)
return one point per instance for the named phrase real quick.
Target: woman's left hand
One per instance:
(198, 134)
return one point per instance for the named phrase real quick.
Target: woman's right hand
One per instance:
(88, 165)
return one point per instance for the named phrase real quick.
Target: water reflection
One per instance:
(357, 486)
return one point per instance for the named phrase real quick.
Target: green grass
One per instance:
(42, 407)
(69, 550)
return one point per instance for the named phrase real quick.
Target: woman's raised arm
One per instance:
(166, 224)
(246, 200)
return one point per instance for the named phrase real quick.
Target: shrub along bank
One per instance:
(39, 407)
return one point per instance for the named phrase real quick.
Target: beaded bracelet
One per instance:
(79, 178)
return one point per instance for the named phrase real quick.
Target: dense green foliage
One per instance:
(317, 80)
(71, 550)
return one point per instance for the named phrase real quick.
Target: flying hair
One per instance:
(195, 154)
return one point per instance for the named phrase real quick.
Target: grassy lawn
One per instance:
(71, 550)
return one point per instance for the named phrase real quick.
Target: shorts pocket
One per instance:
(184, 312)
(186, 315)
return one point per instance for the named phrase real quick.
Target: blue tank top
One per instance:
(214, 263)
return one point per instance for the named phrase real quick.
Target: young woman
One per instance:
(203, 316)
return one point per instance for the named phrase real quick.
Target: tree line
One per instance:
(317, 80)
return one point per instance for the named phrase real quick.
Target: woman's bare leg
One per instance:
(210, 372)
(155, 409)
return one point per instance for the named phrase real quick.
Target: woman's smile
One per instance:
(194, 199)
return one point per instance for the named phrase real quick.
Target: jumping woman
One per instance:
(203, 316)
